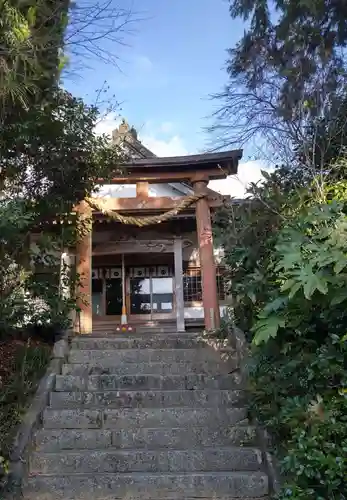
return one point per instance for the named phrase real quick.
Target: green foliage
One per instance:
(26, 365)
(316, 452)
(298, 43)
(286, 250)
(307, 267)
(298, 393)
(52, 156)
(32, 37)
(248, 231)
(287, 82)
(286, 247)
(49, 162)
(22, 299)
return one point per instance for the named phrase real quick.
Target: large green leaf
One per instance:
(273, 306)
(311, 281)
(264, 329)
(295, 288)
(339, 297)
(315, 282)
(289, 260)
(288, 284)
(340, 264)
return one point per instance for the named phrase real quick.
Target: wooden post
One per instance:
(124, 319)
(207, 263)
(178, 260)
(142, 189)
(84, 268)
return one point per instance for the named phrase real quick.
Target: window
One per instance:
(221, 286)
(192, 285)
(192, 288)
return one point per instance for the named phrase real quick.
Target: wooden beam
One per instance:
(160, 177)
(141, 204)
(142, 189)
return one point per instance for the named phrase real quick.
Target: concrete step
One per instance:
(148, 486)
(109, 328)
(72, 439)
(113, 460)
(148, 382)
(108, 367)
(152, 438)
(134, 418)
(146, 399)
(179, 341)
(120, 356)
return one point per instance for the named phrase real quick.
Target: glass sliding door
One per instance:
(151, 294)
(113, 296)
(162, 295)
(97, 297)
(140, 296)
(149, 291)
(106, 292)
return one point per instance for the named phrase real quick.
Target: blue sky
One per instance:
(172, 61)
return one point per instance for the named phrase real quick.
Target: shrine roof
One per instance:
(226, 162)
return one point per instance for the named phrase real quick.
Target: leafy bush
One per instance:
(292, 283)
(25, 365)
(307, 269)
(298, 394)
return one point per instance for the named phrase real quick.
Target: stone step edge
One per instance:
(250, 481)
(138, 332)
(246, 430)
(153, 474)
(200, 377)
(150, 391)
(109, 363)
(112, 449)
(146, 373)
(81, 406)
(110, 407)
(241, 425)
(238, 397)
(149, 350)
(143, 343)
(83, 346)
(178, 377)
(126, 409)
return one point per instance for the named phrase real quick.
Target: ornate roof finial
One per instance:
(123, 127)
(124, 132)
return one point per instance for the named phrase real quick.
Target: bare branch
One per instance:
(257, 114)
(95, 28)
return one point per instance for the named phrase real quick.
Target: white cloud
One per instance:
(162, 139)
(236, 185)
(173, 146)
(107, 124)
(166, 127)
(143, 63)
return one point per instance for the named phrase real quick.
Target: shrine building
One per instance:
(149, 258)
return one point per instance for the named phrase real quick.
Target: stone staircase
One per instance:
(146, 417)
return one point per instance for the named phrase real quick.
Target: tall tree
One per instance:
(39, 37)
(50, 157)
(32, 38)
(286, 74)
(53, 158)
